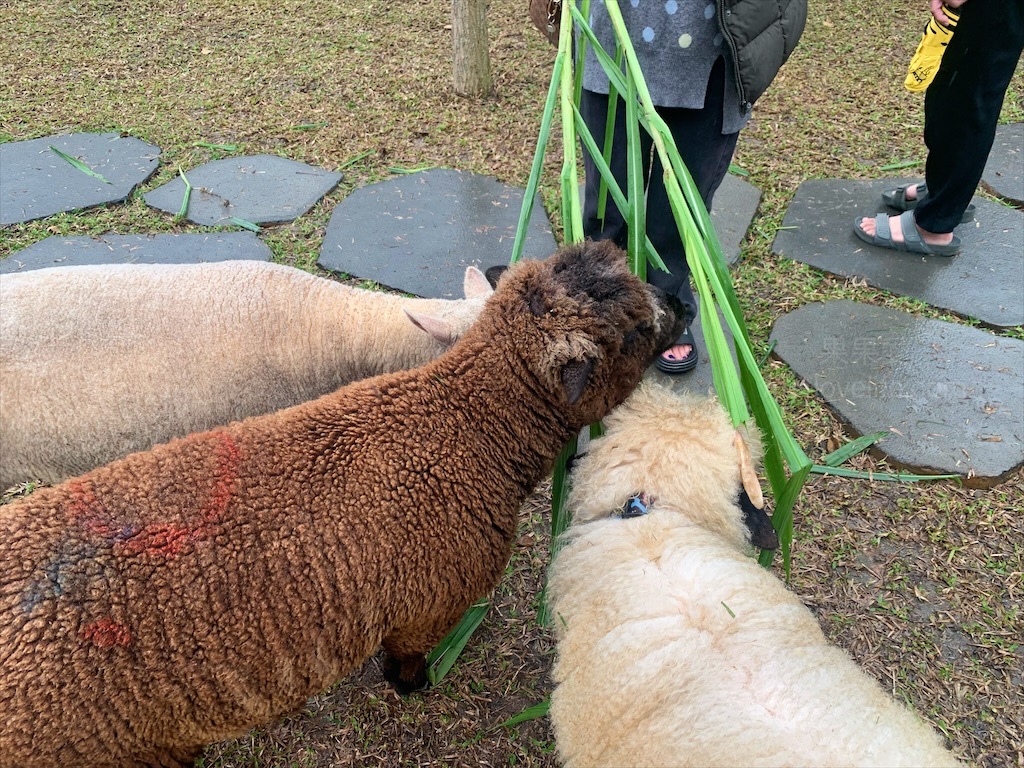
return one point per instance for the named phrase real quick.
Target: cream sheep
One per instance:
(183, 595)
(675, 648)
(97, 362)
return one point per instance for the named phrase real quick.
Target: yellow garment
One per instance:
(929, 52)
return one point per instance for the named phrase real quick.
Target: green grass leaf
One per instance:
(399, 169)
(740, 386)
(244, 224)
(222, 147)
(353, 160)
(530, 713)
(899, 166)
(79, 165)
(443, 657)
(852, 448)
(186, 198)
(900, 477)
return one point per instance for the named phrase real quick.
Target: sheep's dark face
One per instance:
(586, 327)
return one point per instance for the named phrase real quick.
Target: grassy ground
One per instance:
(921, 583)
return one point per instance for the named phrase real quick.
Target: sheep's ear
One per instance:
(751, 485)
(475, 284)
(575, 375)
(433, 326)
(493, 274)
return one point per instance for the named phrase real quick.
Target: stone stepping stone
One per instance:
(1004, 172)
(418, 232)
(733, 210)
(36, 182)
(60, 251)
(985, 281)
(950, 395)
(262, 189)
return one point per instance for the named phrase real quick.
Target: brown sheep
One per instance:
(183, 595)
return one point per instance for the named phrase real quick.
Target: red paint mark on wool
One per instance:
(167, 539)
(106, 633)
(85, 510)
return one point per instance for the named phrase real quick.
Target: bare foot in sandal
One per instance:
(867, 225)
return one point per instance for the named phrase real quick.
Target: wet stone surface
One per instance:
(1004, 172)
(418, 232)
(951, 396)
(36, 182)
(261, 189)
(733, 210)
(985, 281)
(137, 249)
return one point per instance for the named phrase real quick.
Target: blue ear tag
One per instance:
(635, 506)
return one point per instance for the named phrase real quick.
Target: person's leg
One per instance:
(706, 152)
(594, 109)
(962, 107)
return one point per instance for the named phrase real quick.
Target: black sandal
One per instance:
(687, 364)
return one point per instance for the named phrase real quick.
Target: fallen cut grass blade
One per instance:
(222, 147)
(899, 166)
(79, 165)
(186, 198)
(896, 477)
(357, 158)
(852, 448)
(443, 657)
(398, 169)
(530, 713)
(244, 224)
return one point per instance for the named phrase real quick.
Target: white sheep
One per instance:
(675, 648)
(99, 361)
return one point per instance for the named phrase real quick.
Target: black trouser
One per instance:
(703, 148)
(962, 105)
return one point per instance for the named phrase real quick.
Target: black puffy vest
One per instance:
(761, 34)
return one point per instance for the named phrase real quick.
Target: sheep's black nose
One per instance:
(762, 533)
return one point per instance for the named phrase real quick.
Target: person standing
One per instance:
(705, 63)
(961, 111)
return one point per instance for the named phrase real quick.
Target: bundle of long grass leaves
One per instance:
(740, 386)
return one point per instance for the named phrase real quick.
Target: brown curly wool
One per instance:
(183, 595)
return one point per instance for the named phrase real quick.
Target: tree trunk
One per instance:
(472, 62)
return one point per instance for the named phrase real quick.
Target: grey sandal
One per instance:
(897, 200)
(911, 243)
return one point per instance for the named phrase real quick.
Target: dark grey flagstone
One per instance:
(60, 251)
(261, 189)
(985, 281)
(950, 396)
(36, 182)
(418, 232)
